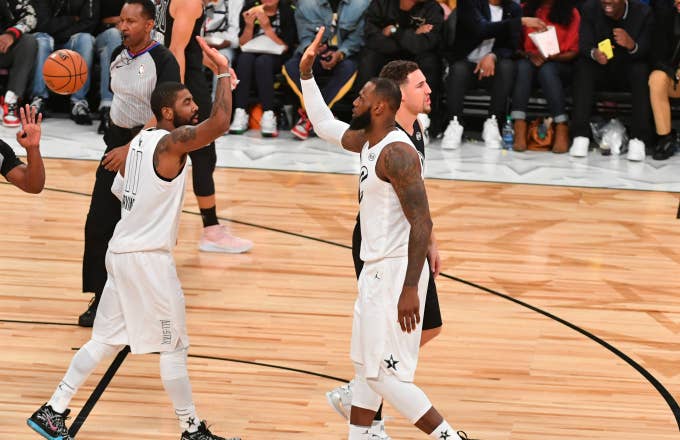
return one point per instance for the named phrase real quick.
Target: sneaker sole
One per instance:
(238, 131)
(11, 125)
(336, 405)
(205, 247)
(270, 135)
(299, 136)
(34, 426)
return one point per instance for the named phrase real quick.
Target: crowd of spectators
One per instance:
(604, 45)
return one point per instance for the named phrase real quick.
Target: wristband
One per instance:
(224, 75)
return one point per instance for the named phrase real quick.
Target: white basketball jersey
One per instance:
(384, 227)
(151, 205)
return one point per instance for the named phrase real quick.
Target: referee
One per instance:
(136, 67)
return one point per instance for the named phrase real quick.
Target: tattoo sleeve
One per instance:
(221, 107)
(400, 164)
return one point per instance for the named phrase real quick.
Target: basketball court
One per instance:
(560, 301)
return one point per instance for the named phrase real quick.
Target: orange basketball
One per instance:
(65, 71)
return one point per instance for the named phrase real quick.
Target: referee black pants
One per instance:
(103, 216)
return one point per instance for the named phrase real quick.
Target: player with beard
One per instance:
(142, 303)
(396, 228)
(415, 99)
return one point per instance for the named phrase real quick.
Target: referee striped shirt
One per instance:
(133, 79)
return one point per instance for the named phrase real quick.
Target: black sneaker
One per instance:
(203, 433)
(49, 423)
(87, 318)
(104, 120)
(463, 435)
(665, 147)
(80, 113)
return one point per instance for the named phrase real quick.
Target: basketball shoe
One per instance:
(203, 433)
(49, 423)
(218, 238)
(340, 399)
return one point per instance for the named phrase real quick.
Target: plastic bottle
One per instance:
(508, 134)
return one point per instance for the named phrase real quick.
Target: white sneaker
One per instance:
(218, 238)
(425, 123)
(239, 124)
(268, 124)
(579, 148)
(377, 431)
(453, 135)
(340, 399)
(636, 150)
(491, 135)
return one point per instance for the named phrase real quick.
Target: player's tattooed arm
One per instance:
(170, 165)
(400, 165)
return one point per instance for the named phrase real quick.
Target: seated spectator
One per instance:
(106, 41)
(627, 25)
(553, 73)
(221, 29)
(487, 37)
(65, 25)
(663, 81)
(17, 19)
(27, 177)
(273, 19)
(337, 56)
(406, 30)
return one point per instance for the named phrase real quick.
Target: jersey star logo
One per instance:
(444, 435)
(391, 363)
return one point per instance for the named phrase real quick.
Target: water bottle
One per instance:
(508, 134)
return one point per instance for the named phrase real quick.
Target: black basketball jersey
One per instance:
(163, 34)
(417, 137)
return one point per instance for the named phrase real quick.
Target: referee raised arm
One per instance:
(136, 67)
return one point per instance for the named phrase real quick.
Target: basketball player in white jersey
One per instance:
(396, 228)
(142, 304)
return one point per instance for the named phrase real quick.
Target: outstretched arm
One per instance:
(171, 150)
(325, 125)
(30, 177)
(400, 165)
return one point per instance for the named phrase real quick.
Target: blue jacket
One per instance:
(311, 14)
(475, 25)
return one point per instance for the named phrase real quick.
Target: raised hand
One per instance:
(308, 57)
(29, 135)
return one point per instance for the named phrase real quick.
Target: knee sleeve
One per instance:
(99, 351)
(363, 396)
(174, 364)
(405, 397)
(203, 162)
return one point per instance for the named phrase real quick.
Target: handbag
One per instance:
(540, 135)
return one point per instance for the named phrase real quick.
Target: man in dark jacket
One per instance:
(663, 81)
(487, 37)
(626, 27)
(66, 24)
(407, 30)
(17, 19)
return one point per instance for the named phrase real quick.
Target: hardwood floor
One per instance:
(605, 261)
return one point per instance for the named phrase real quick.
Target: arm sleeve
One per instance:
(419, 43)
(586, 32)
(373, 37)
(8, 160)
(644, 40)
(325, 125)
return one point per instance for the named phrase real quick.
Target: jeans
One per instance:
(551, 76)
(340, 80)
(81, 42)
(499, 86)
(261, 68)
(19, 71)
(229, 53)
(105, 43)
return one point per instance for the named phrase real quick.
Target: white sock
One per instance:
(82, 365)
(10, 97)
(188, 419)
(358, 432)
(444, 431)
(62, 397)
